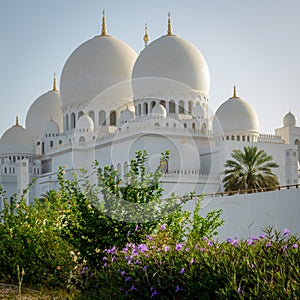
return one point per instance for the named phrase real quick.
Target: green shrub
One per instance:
(30, 239)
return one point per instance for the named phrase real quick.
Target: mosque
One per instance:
(112, 102)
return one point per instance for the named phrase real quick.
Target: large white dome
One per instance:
(172, 58)
(235, 116)
(44, 108)
(17, 140)
(95, 66)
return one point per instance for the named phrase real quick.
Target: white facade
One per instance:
(113, 102)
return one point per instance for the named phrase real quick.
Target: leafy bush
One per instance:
(265, 267)
(30, 240)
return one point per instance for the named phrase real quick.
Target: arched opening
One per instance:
(73, 121)
(113, 118)
(163, 103)
(153, 103)
(67, 122)
(80, 114)
(145, 108)
(43, 147)
(139, 109)
(172, 107)
(81, 140)
(51, 144)
(92, 115)
(190, 107)
(181, 107)
(102, 117)
(297, 142)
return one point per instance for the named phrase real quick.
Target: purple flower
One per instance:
(123, 273)
(145, 268)
(250, 242)
(113, 259)
(239, 290)
(192, 261)
(154, 293)
(82, 272)
(295, 246)
(128, 233)
(133, 288)
(149, 237)
(234, 242)
(229, 240)
(105, 264)
(209, 243)
(286, 231)
(104, 258)
(143, 248)
(163, 226)
(252, 266)
(137, 227)
(284, 247)
(178, 289)
(268, 244)
(187, 249)
(254, 238)
(92, 275)
(182, 271)
(137, 262)
(178, 246)
(202, 249)
(128, 279)
(166, 248)
(262, 236)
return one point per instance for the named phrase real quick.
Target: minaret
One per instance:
(146, 36)
(103, 31)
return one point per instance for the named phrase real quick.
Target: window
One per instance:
(139, 109)
(238, 138)
(172, 107)
(181, 107)
(163, 103)
(73, 121)
(80, 114)
(145, 108)
(243, 138)
(67, 122)
(153, 103)
(113, 118)
(190, 107)
(51, 144)
(102, 117)
(81, 140)
(232, 137)
(92, 115)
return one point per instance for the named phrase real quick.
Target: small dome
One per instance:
(126, 116)
(235, 116)
(159, 111)
(17, 140)
(96, 65)
(85, 123)
(51, 128)
(198, 111)
(174, 59)
(44, 108)
(289, 120)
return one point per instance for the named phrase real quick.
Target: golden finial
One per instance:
(234, 91)
(54, 83)
(17, 121)
(169, 24)
(146, 36)
(103, 32)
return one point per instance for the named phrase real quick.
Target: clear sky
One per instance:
(252, 44)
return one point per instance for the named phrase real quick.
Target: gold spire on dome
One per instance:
(169, 24)
(54, 83)
(234, 92)
(17, 121)
(103, 31)
(146, 36)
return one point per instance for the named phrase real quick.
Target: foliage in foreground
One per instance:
(264, 267)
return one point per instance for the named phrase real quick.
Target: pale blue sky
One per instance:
(253, 44)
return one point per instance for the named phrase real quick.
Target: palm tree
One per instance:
(250, 170)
